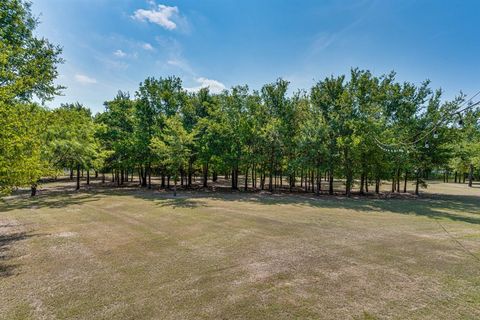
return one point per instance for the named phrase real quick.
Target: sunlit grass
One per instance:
(135, 254)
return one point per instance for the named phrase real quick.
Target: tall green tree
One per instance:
(28, 64)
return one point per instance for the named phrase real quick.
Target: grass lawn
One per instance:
(139, 254)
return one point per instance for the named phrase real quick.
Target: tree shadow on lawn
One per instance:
(435, 206)
(52, 199)
(6, 242)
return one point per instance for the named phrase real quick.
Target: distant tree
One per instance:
(73, 142)
(173, 147)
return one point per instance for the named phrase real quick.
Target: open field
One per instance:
(138, 254)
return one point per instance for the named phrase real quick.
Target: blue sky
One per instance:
(114, 44)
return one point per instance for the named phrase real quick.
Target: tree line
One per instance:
(359, 129)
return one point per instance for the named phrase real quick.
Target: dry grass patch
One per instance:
(130, 254)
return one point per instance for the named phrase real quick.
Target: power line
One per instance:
(388, 146)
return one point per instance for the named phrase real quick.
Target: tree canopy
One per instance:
(356, 129)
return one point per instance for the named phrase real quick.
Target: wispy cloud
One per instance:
(119, 53)
(213, 85)
(182, 64)
(322, 41)
(159, 14)
(147, 46)
(83, 79)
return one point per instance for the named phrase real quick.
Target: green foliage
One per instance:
(27, 69)
(361, 126)
(27, 63)
(23, 156)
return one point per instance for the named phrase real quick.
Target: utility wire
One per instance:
(384, 146)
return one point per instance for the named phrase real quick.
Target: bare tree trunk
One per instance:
(78, 178)
(417, 182)
(149, 176)
(190, 172)
(470, 175)
(330, 184)
(398, 179)
(205, 175)
(319, 181)
(33, 189)
(362, 183)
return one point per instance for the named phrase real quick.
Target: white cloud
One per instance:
(147, 46)
(83, 79)
(214, 85)
(119, 53)
(161, 15)
(182, 64)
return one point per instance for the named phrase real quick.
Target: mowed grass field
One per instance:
(138, 254)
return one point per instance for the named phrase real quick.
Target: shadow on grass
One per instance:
(463, 208)
(6, 242)
(435, 206)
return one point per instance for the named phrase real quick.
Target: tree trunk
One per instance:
(417, 183)
(405, 182)
(103, 177)
(362, 183)
(234, 182)
(71, 173)
(149, 176)
(330, 183)
(455, 176)
(246, 179)
(470, 175)
(190, 173)
(319, 181)
(78, 177)
(33, 189)
(398, 179)
(377, 185)
(205, 175)
(175, 187)
(88, 177)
